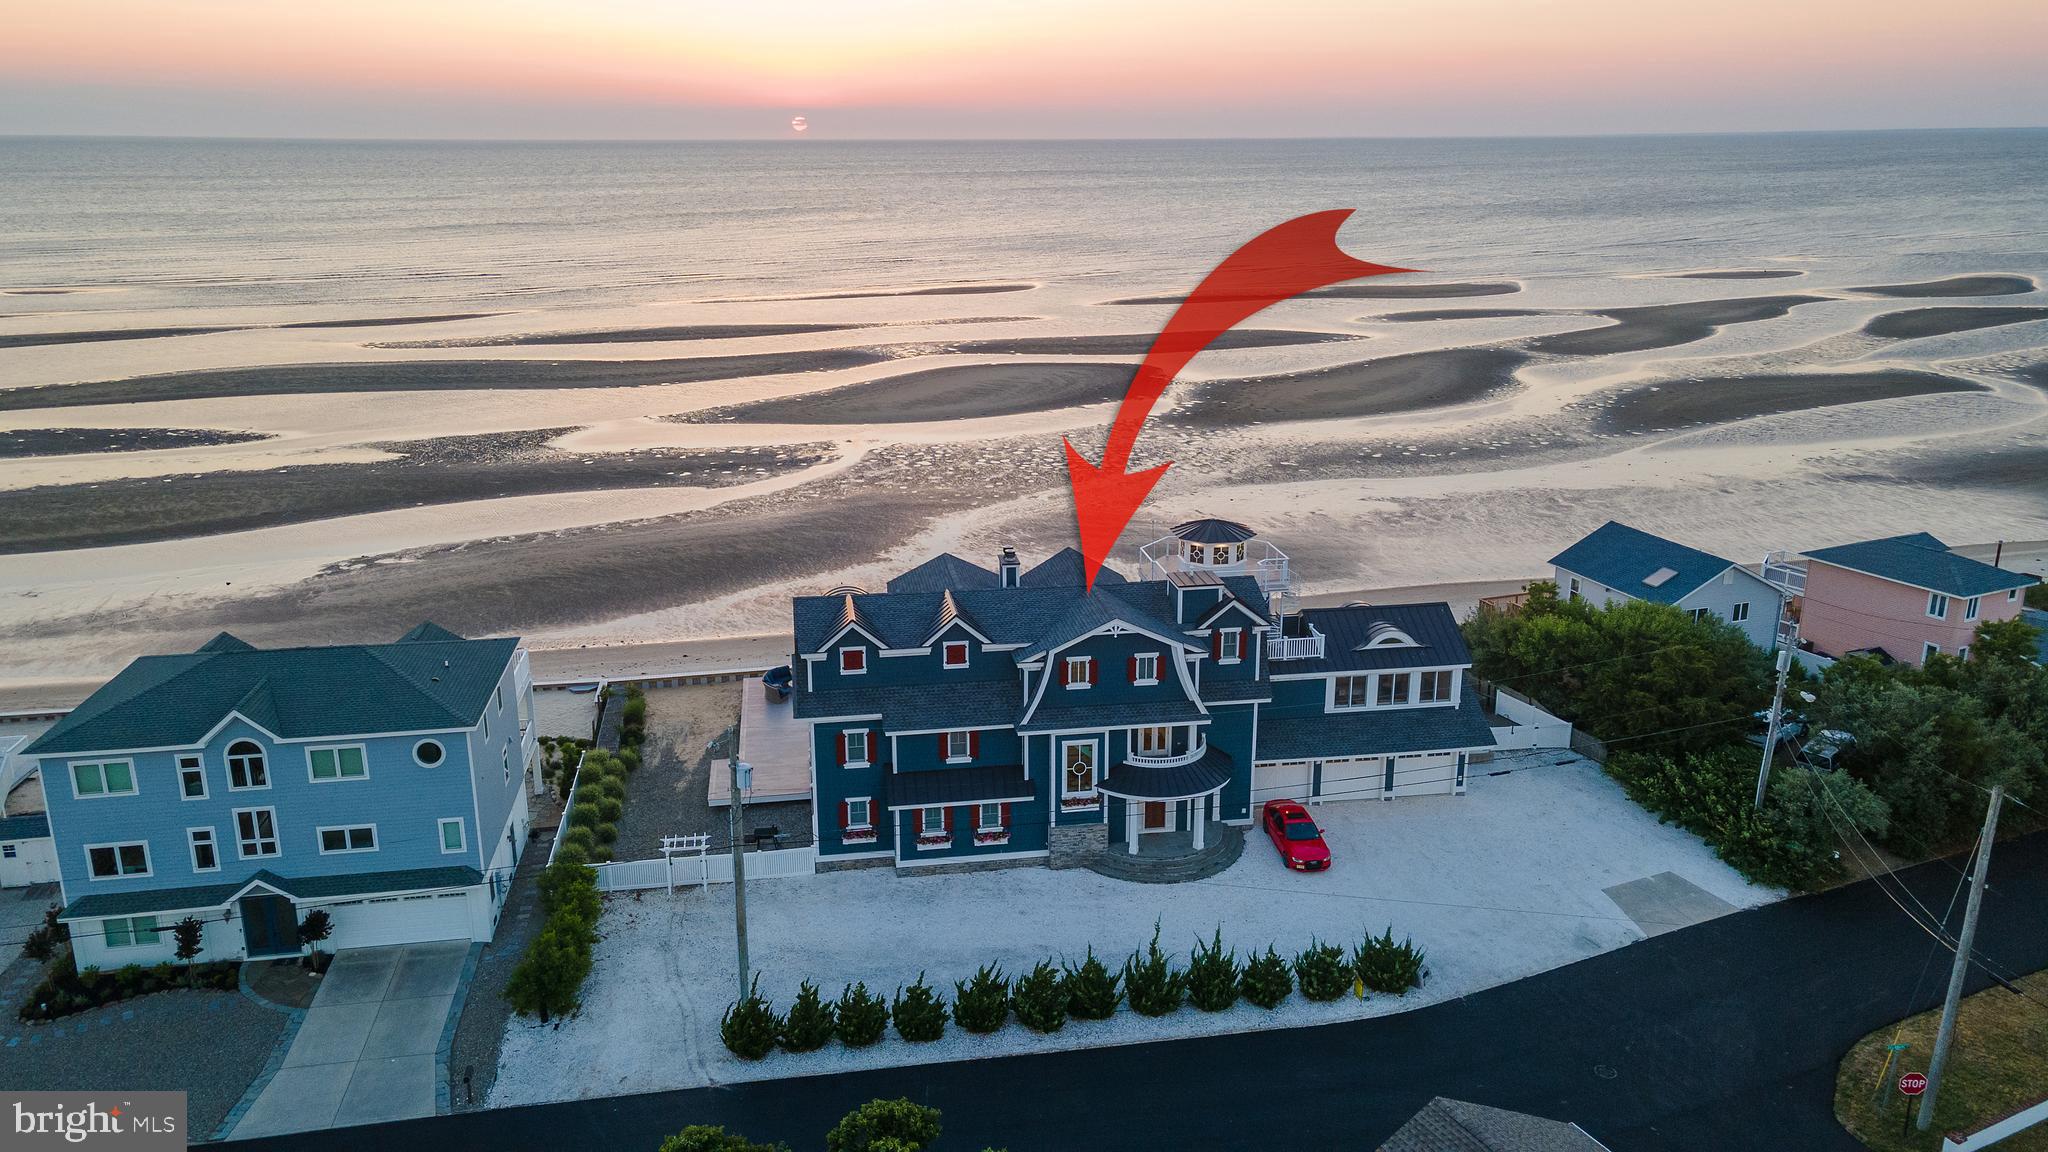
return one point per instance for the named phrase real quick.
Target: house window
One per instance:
(1078, 777)
(1155, 741)
(1929, 652)
(1220, 554)
(959, 746)
(1739, 613)
(1080, 671)
(955, 653)
(1572, 592)
(360, 838)
(451, 835)
(245, 766)
(1970, 607)
(1434, 687)
(205, 854)
(856, 747)
(7, 852)
(1351, 691)
(1195, 553)
(103, 778)
(931, 821)
(2011, 594)
(1230, 645)
(853, 661)
(487, 727)
(860, 813)
(256, 831)
(111, 861)
(427, 753)
(1937, 605)
(191, 778)
(130, 931)
(1145, 668)
(1963, 653)
(505, 762)
(337, 763)
(1699, 615)
(988, 817)
(1240, 553)
(1394, 688)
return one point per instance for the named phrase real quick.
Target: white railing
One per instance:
(568, 802)
(1785, 572)
(1997, 1130)
(1170, 554)
(1309, 647)
(1169, 760)
(692, 871)
(1272, 573)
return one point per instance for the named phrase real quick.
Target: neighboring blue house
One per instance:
(247, 787)
(968, 716)
(1617, 562)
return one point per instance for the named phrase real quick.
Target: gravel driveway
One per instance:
(687, 728)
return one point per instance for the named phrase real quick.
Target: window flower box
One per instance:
(1080, 801)
(934, 839)
(992, 836)
(857, 836)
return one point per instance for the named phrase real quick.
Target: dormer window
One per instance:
(959, 747)
(954, 654)
(245, 766)
(1078, 672)
(1228, 645)
(1394, 688)
(1435, 687)
(853, 661)
(1145, 668)
(1350, 692)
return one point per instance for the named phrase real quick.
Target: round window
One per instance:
(427, 753)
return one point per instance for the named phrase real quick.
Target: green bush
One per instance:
(749, 1026)
(1152, 984)
(629, 759)
(1212, 975)
(810, 1022)
(550, 975)
(714, 1138)
(585, 814)
(1040, 998)
(1322, 972)
(611, 809)
(1092, 992)
(607, 834)
(574, 854)
(568, 891)
(863, 1016)
(885, 1126)
(604, 788)
(583, 840)
(1266, 981)
(919, 1013)
(982, 1004)
(1385, 966)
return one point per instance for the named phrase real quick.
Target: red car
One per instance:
(1295, 834)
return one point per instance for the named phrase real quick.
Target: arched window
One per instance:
(245, 765)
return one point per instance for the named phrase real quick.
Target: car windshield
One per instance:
(1302, 830)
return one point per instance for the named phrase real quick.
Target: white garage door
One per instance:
(1286, 780)
(1361, 778)
(399, 920)
(1426, 775)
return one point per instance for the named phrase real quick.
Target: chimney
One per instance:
(1009, 568)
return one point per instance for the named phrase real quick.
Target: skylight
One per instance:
(1656, 579)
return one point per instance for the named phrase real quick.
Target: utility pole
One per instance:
(742, 777)
(1962, 965)
(1763, 774)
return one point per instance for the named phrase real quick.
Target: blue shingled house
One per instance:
(246, 787)
(969, 716)
(1616, 562)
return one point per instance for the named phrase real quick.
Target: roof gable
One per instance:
(1066, 568)
(1920, 560)
(942, 572)
(1639, 564)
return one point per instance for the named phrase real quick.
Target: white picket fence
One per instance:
(692, 871)
(1997, 1130)
(1529, 726)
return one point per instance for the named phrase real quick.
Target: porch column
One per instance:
(1133, 812)
(1198, 814)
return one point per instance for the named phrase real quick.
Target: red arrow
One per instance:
(1284, 261)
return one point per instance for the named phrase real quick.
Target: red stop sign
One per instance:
(1912, 1083)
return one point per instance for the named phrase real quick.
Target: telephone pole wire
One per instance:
(1947, 1034)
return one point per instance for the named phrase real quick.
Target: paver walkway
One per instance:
(365, 1052)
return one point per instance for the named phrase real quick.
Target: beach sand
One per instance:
(1916, 323)
(883, 293)
(1367, 291)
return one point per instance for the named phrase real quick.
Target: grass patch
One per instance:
(1999, 1063)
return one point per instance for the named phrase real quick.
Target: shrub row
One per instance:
(549, 976)
(876, 1126)
(591, 826)
(1050, 994)
(66, 989)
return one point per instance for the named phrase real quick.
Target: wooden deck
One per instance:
(776, 743)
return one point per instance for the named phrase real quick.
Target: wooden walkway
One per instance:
(776, 743)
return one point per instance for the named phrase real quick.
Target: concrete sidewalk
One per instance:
(365, 1052)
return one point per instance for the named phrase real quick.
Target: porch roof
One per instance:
(206, 896)
(1198, 777)
(931, 787)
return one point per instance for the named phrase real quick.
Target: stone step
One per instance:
(1213, 858)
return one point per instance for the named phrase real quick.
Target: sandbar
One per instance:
(1368, 292)
(1392, 384)
(1665, 325)
(1954, 286)
(1916, 323)
(21, 442)
(1722, 400)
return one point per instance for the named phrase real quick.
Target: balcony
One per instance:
(1255, 558)
(1280, 647)
(1169, 759)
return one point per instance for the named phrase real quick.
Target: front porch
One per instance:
(1172, 857)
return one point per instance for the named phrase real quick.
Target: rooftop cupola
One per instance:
(1009, 568)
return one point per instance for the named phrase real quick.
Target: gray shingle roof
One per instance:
(1203, 775)
(418, 684)
(982, 784)
(942, 572)
(1446, 1125)
(1922, 561)
(1622, 558)
(1066, 568)
(300, 887)
(1375, 732)
(1348, 633)
(1057, 715)
(27, 826)
(1212, 531)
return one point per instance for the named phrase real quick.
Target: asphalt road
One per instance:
(1720, 1036)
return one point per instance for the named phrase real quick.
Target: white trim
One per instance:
(148, 860)
(867, 825)
(192, 848)
(1972, 608)
(867, 741)
(320, 838)
(193, 762)
(1059, 766)
(860, 671)
(202, 743)
(980, 807)
(1932, 597)
(337, 749)
(422, 744)
(966, 756)
(946, 651)
(1087, 680)
(851, 626)
(1231, 638)
(263, 758)
(441, 835)
(1141, 678)
(276, 838)
(895, 732)
(71, 768)
(963, 625)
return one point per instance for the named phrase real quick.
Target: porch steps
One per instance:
(1226, 844)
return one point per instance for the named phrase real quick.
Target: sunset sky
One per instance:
(612, 69)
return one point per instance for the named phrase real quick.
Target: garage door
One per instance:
(1426, 775)
(399, 920)
(1286, 780)
(1360, 778)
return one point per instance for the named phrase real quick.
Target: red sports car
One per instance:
(1295, 834)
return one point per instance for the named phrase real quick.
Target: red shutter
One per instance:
(842, 747)
(1006, 815)
(1216, 645)
(1063, 672)
(1240, 645)
(842, 814)
(1092, 674)
(942, 747)
(949, 820)
(974, 744)
(1131, 666)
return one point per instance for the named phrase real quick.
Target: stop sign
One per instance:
(1912, 1083)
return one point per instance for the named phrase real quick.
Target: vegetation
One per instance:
(1040, 998)
(863, 1016)
(1647, 675)
(749, 1026)
(41, 944)
(982, 1004)
(1152, 984)
(1266, 980)
(1092, 992)
(919, 1013)
(810, 1022)
(549, 977)
(1322, 972)
(1384, 966)
(1212, 975)
(316, 927)
(189, 937)
(714, 1138)
(885, 1126)
(66, 989)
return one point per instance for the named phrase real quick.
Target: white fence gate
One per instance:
(638, 875)
(1528, 726)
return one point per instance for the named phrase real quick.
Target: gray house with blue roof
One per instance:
(971, 716)
(246, 787)
(1616, 562)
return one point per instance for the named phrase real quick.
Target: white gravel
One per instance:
(1499, 884)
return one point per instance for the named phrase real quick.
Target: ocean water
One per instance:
(206, 225)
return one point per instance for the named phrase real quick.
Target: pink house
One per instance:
(1906, 596)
